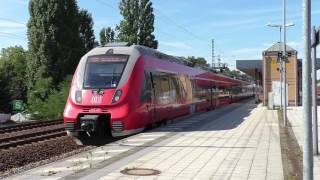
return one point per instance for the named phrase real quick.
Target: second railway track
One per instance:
(31, 133)
(24, 126)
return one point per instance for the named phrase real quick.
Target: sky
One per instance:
(186, 27)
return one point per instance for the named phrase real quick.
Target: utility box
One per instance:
(276, 90)
(270, 100)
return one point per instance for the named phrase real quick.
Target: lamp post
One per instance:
(306, 92)
(280, 26)
(284, 64)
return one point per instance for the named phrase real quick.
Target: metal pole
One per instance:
(281, 70)
(314, 92)
(306, 93)
(212, 53)
(280, 33)
(284, 55)
(281, 84)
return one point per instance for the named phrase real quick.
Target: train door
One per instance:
(213, 95)
(193, 101)
(211, 98)
(153, 108)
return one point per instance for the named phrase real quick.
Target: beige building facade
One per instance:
(271, 73)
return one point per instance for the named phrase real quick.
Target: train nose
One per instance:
(87, 126)
(88, 122)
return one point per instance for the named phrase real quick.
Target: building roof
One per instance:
(277, 47)
(249, 64)
(249, 67)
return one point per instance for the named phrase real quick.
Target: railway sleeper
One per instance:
(32, 134)
(30, 140)
(25, 126)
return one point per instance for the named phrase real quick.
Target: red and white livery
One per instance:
(123, 89)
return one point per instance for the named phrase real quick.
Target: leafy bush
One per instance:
(46, 102)
(12, 76)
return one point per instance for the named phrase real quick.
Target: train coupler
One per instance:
(88, 123)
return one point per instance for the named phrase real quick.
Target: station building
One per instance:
(265, 72)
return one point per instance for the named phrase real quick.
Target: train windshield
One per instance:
(104, 71)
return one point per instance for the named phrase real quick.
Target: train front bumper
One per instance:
(79, 118)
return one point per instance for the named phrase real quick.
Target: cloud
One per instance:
(177, 45)
(11, 25)
(295, 45)
(315, 12)
(267, 45)
(21, 2)
(12, 29)
(234, 23)
(248, 11)
(105, 22)
(247, 50)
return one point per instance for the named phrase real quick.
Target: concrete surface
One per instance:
(239, 141)
(295, 118)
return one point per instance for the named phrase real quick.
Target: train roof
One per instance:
(136, 50)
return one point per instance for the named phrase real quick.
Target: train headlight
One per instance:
(78, 96)
(116, 96)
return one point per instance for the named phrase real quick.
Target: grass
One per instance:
(290, 151)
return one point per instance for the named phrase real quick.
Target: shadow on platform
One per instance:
(223, 118)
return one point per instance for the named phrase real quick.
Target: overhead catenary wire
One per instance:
(166, 19)
(5, 34)
(9, 37)
(179, 26)
(13, 21)
(12, 35)
(163, 15)
(184, 29)
(158, 29)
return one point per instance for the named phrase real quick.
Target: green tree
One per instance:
(86, 30)
(197, 61)
(146, 22)
(54, 39)
(137, 26)
(47, 102)
(106, 35)
(236, 74)
(12, 76)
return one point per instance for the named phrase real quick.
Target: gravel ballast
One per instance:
(36, 152)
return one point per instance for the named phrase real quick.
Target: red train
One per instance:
(123, 89)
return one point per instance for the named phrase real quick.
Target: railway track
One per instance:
(29, 145)
(31, 133)
(30, 125)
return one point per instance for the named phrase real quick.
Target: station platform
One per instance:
(238, 141)
(295, 118)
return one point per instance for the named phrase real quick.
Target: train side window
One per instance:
(146, 88)
(162, 88)
(175, 88)
(165, 88)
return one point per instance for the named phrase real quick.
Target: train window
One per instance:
(186, 88)
(104, 71)
(202, 90)
(162, 88)
(175, 88)
(146, 88)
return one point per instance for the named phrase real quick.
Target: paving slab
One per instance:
(295, 118)
(239, 141)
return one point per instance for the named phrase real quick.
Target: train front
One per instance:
(98, 92)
